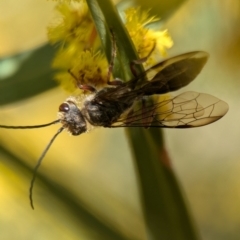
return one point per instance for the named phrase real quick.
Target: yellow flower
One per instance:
(78, 37)
(75, 26)
(79, 59)
(87, 68)
(145, 38)
(65, 57)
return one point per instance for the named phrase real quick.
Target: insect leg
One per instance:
(83, 87)
(116, 81)
(147, 117)
(140, 61)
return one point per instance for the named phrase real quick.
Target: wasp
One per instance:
(130, 104)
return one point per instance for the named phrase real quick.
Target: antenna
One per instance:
(29, 127)
(42, 155)
(38, 165)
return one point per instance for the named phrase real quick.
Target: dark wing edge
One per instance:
(187, 110)
(166, 76)
(175, 73)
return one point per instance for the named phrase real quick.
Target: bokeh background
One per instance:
(87, 188)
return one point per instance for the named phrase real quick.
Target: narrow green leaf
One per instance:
(105, 17)
(97, 226)
(163, 9)
(26, 74)
(165, 211)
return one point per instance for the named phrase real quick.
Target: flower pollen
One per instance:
(144, 38)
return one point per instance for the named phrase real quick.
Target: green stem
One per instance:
(105, 17)
(163, 205)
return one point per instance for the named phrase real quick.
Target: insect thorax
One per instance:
(101, 112)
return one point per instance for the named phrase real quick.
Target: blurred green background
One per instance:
(87, 187)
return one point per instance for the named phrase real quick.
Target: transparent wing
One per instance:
(189, 109)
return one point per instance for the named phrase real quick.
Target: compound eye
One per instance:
(64, 107)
